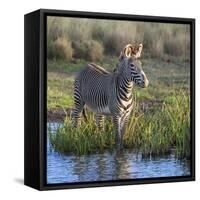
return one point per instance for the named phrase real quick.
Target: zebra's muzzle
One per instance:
(145, 81)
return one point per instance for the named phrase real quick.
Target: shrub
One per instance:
(88, 50)
(177, 45)
(157, 48)
(94, 51)
(55, 28)
(162, 39)
(50, 49)
(98, 32)
(112, 43)
(79, 30)
(115, 41)
(79, 49)
(60, 49)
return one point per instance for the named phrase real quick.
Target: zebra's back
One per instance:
(93, 83)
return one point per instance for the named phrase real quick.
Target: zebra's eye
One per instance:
(133, 67)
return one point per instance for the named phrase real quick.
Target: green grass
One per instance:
(60, 65)
(152, 132)
(164, 128)
(64, 66)
(59, 91)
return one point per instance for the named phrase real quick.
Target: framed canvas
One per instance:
(109, 99)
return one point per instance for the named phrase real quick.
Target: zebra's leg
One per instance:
(100, 121)
(76, 115)
(124, 123)
(117, 126)
(76, 112)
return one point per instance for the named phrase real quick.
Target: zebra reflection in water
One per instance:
(110, 93)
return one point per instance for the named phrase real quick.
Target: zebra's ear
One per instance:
(138, 51)
(128, 50)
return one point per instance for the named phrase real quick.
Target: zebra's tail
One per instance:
(84, 115)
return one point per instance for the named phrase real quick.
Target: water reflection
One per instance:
(127, 164)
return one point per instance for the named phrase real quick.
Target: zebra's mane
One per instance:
(98, 68)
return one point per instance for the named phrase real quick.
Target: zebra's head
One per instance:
(131, 66)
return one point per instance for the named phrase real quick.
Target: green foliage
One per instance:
(153, 133)
(160, 131)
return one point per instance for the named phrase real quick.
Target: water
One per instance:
(110, 166)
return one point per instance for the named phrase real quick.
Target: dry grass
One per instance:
(60, 49)
(88, 50)
(95, 35)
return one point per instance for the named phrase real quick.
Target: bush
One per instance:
(97, 32)
(55, 28)
(157, 48)
(112, 43)
(79, 49)
(115, 41)
(50, 49)
(177, 45)
(79, 30)
(60, 49)
(94, 51)
(88, 50)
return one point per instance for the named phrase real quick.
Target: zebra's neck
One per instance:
(124, 87)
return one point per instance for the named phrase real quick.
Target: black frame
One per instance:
(35, 115)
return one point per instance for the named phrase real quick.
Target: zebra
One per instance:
(110, 93)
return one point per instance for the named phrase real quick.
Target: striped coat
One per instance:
(109, 93)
